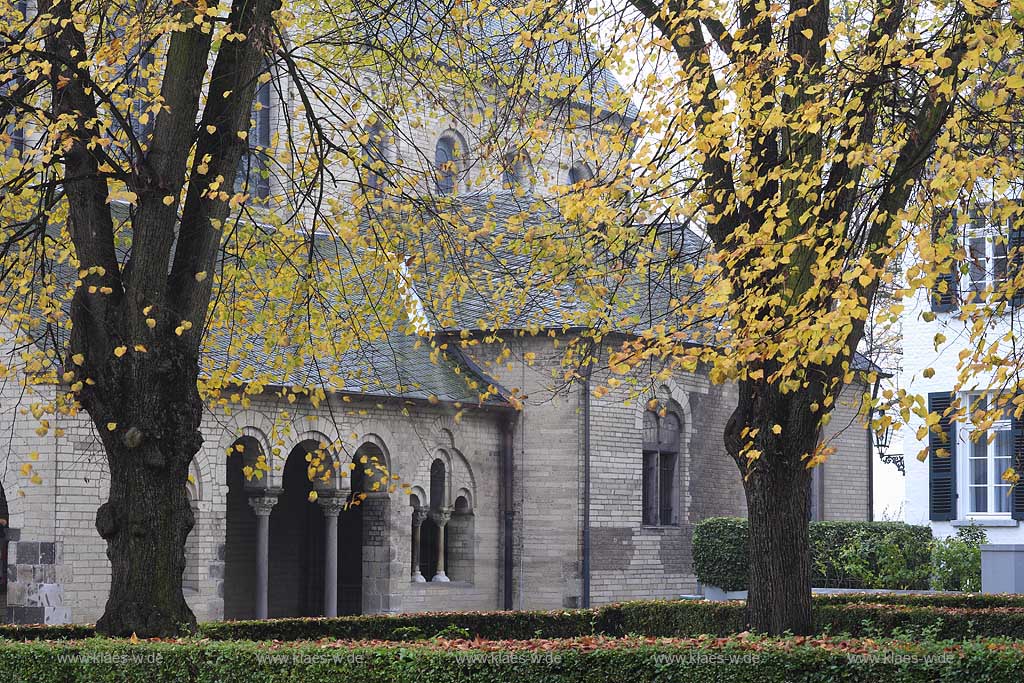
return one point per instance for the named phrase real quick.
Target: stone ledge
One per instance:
(994, 522)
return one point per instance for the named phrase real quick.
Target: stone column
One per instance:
(262, 503)
(419, 515)
(440, 518)
(332, 505)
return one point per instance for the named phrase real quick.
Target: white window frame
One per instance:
(993, 240)
(994, 485)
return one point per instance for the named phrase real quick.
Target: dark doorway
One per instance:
(240, 535)
(296, 543)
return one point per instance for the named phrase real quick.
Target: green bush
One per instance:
(40, 632)
(955, 600)
(895, 558)
(402, 627)
(890, 555)
(922, 616)
(672, 618)
(956, 561)
(727, 660)
(720, 552)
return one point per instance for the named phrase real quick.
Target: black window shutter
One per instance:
(944, 299)
(1015, 253)
(1017, 495)
(941, 462)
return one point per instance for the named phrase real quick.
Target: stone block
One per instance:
(1002, 568)
(56, 615)
(16, 592)
(26, 552)
(47, 552)
(26, 615)
(45, 595)
(43, 573)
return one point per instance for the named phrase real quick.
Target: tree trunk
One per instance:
(150, 440)
(777, 487)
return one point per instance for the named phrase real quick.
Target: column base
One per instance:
(440, 577)
(417, 577)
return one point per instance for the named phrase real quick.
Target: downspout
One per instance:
(585, 598)
(871, 453)
(507, 501)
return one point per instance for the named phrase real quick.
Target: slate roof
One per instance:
(638, 303)
(641, 302)
(398, 367)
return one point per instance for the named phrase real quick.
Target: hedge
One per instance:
(720, 553)
(727, 660)
(677, 618)
(959, 600)
(486, 625)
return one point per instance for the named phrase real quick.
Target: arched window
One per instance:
(437, 484)
(580, 173)
(448, 154)
(259, 165)
(660, 468)
(254, 168)
(430, 567)
(16, 132)
(460, 538)
(517, 170)
(375, 151)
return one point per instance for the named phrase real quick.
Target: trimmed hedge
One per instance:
(933, 623)
(720, 553)
(403, 627)
(41, 632)
(728, 660)
(955, 600)
(944, 616)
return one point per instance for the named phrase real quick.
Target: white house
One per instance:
(966, 487)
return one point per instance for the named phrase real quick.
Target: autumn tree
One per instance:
(149, 216)
(815, 144)
(165, 253)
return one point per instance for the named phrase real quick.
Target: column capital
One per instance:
(419, 515)
(263, 503)
(440, 516)
(332, 505)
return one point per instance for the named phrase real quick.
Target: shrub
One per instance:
(672, 618)
(726, 660)
(956, 561)
(41, 632)
(956, 600)
(917, 616)
(877, 554)
(720, 552)
(402, 627)
(895, 558)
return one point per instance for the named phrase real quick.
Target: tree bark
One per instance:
(777, 487)
(137, 375)
(150, 437)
